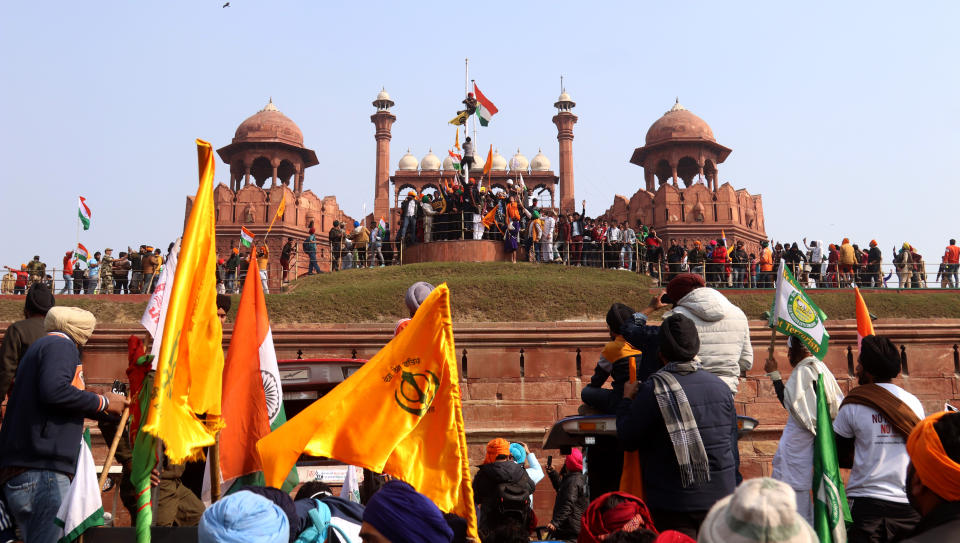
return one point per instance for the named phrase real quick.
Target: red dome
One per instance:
(678, 123)
(269, 125)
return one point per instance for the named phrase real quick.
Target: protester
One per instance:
(20, 335)
(408, 219)
(360, 238)
(613, 513)
(874, 261)
(263, 266)
(501, 489)
(524, 456)
(762, 510)
(793, 461)
(242, 517)
(933, 478)
(287, 255)
(766, 265)
(614, 362)
(121, 274)
(951, 257)
(683, 422)
(67, 273)
(399, 514)
(414, 296)
(571, 500)
(872, 426)
(310, 247)
(43, 424)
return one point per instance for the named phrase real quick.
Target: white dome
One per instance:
(448, 164)
(519, 162)
(408, 162)
(478, 162)
(498, 163)
(564, 97)
(540, 163)
(382, 95)
(430, 162)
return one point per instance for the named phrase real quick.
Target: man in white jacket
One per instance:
(725, 348)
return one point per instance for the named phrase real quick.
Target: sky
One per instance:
(843, 115)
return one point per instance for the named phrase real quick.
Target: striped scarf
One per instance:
(680, 423)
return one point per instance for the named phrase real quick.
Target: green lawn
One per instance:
(500, 291)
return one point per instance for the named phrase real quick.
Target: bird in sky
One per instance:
(226, 5)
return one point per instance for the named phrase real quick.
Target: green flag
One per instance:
(795, 314)
(144, 460)
(830, 510)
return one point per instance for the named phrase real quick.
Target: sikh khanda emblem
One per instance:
(415, 391)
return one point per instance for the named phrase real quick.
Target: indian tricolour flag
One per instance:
(485, 108)
(246, 237)
(82, 253)
(84, 213)
(81, 507)
(252, 404)
(382, 227)
(795, 314)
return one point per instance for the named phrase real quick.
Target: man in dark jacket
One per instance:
(683, 422)
(501, 489)
(933, 477)
(43, 426)
(19, 335)
(571, 499)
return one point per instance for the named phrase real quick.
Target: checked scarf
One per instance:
(681, 426)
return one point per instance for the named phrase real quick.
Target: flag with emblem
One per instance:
(81, 507)
(380, 417)
(252, 396)
(84, 213)
(485, 108)
(246, 236)
(830, 509)
(795, 314)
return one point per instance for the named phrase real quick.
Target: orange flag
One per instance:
(190, 363)
(489, 163)
(631, 477)
(399, 414)
(864, 323)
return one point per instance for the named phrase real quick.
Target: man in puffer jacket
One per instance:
(725, 348)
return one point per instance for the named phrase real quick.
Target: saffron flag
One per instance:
(456, 140)
(81, 507)
(485, 108)
(489, 163)
(155, 314)
(830, 509)
(723, 236)
(82, 253)
(280, 209)
(252, 396)
(864, 323)
(190, 364)
(84, 213)
(795, 314)
(490, 218)
(399, 414)
(246, 236)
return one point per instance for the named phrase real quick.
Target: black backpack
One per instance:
(513, 502)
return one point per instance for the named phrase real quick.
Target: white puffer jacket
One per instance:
(725, 348)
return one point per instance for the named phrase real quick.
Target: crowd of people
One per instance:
(678, 415)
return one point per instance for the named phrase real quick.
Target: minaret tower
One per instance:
(383, 120)
(565, 119)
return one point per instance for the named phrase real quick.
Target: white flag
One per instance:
(795, 314)
(81, 507)
(156, 311)
(350, 490)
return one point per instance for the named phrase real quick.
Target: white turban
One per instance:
(73, 321)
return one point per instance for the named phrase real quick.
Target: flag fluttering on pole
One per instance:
(489, 163)
(457, 158)
(190, 364)
(145, 450)
(280, 209)
(252, 395)
(456, 140)
(82, 253)
(82, 507)
(460, 119)
(246, 237)
(864, 322)
(350, 490)
(795, 314)
(382, 227)
(485, 108)
(830, 509)
(84, 213)
(400, 414)
(155, 314)
(723, 236)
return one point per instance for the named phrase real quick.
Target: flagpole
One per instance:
(113, 447)
(215, 470)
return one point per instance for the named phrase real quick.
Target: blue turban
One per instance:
(356, 223)
(244, 516)
(518, 452)
(404, 515)
(283, 501)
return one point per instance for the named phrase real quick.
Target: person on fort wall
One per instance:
(263, 263)
(360, 238)
(310, 247)
(766, 265)
(871, 429)
(287, 255)
(874, 261)
(408, 219)
(429, 212)
(577, 232)
(951, 261)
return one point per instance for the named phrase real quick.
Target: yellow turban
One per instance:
(73, 321)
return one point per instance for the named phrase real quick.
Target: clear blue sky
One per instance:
(844, 116)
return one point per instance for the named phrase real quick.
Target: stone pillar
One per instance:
(273, 178)
(674, 174)
(383, 121)
(650, 179)
(246, 174)
(565, 121)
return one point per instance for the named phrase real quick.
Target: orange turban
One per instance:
(496, 447)
(846, 241)
(936, 470)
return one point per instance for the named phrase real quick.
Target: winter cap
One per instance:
(73, 321)
(681, 285)
(760, 510)
(404, 515)
(574, 461)
(518, 452)
(416, 294)
(679, 340)
(880, 357)
(39, 299)
(617, 315)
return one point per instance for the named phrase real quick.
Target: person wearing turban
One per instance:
(408, 219)
(683, 422)
(244, 516)
(43, 425)
(414, 296)
(399, 514)
(19, 335)
(612, 513)
(933, 477)
(614, 362)
(501, 489)
(871, 428)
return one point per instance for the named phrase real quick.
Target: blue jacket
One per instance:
(43, 425)
(640, 427)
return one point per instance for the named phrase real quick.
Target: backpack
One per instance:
(513, 502)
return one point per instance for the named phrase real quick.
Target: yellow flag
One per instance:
(399, 414)
(460, 119)
(279, 213)
(456, 139)
(190, 363)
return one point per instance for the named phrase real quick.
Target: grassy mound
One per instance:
(504, 292)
